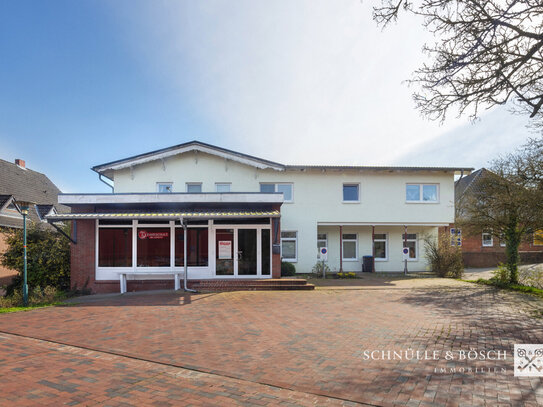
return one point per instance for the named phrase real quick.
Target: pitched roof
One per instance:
(26, 185)
(108, 168)
(469, 183)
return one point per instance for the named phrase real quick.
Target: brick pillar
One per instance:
(82, 273)
(276, 257)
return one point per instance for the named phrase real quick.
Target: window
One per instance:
(197, 247)
(115, 247)
(285, 189)
(351, 193)
(322, 240)
(410, 241)
(456, 237)
(502, 240)
(380, 246)
(164, 187)
(194, 187)
(222, 187)
(488, 240)
(289, 246)
(153, 247)
(422, 193)
(350, 246)
(538, 237)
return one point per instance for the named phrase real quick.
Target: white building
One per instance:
(353, 210)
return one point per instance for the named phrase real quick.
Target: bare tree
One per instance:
(486, 53)
(508, 201)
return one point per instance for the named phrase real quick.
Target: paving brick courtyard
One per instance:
(273, 348)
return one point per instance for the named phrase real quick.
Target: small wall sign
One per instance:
(225, 249)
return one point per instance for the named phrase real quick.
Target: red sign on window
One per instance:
(145, 234)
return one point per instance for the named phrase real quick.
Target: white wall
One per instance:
(317, 197)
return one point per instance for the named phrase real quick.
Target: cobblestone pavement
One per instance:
(299, 347)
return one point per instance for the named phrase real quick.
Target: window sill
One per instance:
(422, 202)
(290, 260)
(350, 260)
(350, 202)
(381, 260)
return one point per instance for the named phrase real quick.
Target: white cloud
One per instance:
(300, 81)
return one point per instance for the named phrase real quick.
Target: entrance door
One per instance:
(225, 252)
(247, 252)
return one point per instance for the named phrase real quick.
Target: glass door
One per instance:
(247, 252)
(225, 252)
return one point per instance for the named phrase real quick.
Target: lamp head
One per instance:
(23, 206)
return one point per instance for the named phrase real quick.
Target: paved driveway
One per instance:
(273, 348)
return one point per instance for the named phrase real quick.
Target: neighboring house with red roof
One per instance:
(20, 183)
(486, 249)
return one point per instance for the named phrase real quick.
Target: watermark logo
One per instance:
(529, 360)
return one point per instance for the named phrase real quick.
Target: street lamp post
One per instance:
(23, 208)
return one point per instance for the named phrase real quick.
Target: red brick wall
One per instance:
(477, 255)
(6, 275)
(276, 258)
(82, 273)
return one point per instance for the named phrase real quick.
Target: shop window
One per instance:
(197, 247)
(153, 247)
(115, 247)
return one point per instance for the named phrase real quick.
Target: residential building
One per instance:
(19, 183)
(245, 213)
(487, 249)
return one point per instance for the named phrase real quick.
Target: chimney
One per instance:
(20, 163)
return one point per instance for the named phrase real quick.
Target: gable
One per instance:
(193, 148)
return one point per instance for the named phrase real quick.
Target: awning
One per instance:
(219, 214)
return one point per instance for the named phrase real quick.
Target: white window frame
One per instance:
(169, 184)
(421, 185)
(357, 184)
(483, 239)
(187, 184)
(276, 184)
(223, 183)
(290, 239)
(386, 247)
(416, 240)
(355, 240)
(325, 240)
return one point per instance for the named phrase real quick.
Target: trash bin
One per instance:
(367, 264)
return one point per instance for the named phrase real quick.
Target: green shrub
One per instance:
(317, 269)
(501, 275)
(48, 262)
(36, 296)
(287, 269)
(444, 259)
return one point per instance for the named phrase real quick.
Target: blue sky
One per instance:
(89, 81)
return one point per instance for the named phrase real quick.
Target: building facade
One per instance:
(250, 205)
(487, 249)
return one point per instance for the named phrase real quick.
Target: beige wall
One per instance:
(317, 197)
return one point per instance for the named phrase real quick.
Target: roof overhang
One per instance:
(389, 169)
(193, 146)
(171, 198)
(432, 224)
(218, 214)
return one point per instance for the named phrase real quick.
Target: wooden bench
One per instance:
(124, 274)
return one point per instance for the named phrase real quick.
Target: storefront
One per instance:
(145, 241)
